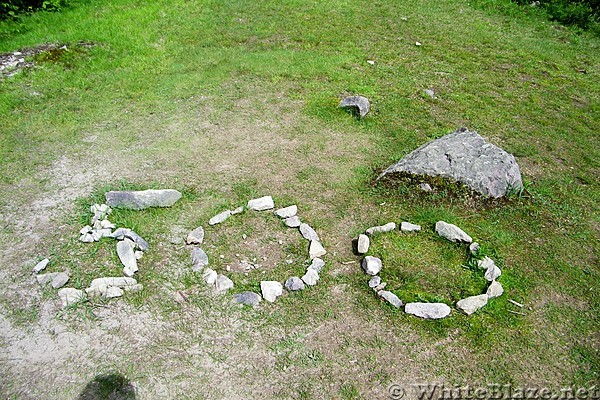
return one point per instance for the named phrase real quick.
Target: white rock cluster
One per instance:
(100, 225)
(373, 265)
(270, 290)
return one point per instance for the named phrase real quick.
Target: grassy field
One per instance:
(226, 101)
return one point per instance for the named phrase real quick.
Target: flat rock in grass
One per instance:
(293, 222)
(119, 281)
(294, 283)
(390, 226)
(390, 298)
(317, 264)
(127, 255)
(471, 304)
(209, 276)
(371, 265)
(70, 296)
(196, 236)
(492, 273)
(363, 244)
(199, 259)
(238, 210)
(311, 277)
(59, 280)
(494, 290)
(139, 241)
(247, 298)
(261, 204)
(112, 292)
(452, 232)
(408, 227)
(219, 218)
(223, 284)
(287, 212)
(359, 105)
(474, 248)
(139, 200)
(467, 157)
(271, 290)
(374, 281)
(428, 310)
(40, 266)
(316, 249)
(308, 233)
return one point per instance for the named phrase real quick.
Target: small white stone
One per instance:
(293, 222)
(113, 281)
(429, 93)
(223, 284)
(474, 248)
(452, 232)
(473, 303)
(316, 249)
(271, 290)
(41, 265)
(494, 290)
(112, 292)
(408, 227)
(317, 264)
(85, 229)
(370, 62)
(238, 210)
(219, 218)
(311, 277)
(418, 44)
(390, 226)
(196, 236)
(371, 265)
(308, 233)
(374, 281)
(209, 276)
(70, 296)
(287, 212)
(390, 298)
(261, 204)
(363, 244)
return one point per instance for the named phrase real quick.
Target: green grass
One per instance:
(226, 101)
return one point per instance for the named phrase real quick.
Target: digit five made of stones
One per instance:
(463, 156)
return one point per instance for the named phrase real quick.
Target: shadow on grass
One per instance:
(111, 386)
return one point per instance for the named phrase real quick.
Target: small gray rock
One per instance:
(309, 233)
(261, 204)
(293, 222)
(429, 93)
(70, 296)
(452, 232)
(311, 277)
(317, 264)
(363, 244)
(358, 104)
(40, 266)
(494, 290)
(112, 292)
(474, 248)
(127, 255)
(122, 233)
(199, 259)
(247, 298)
(408, 227)
(59, 280)
(380, 287)
(209, 276)
(223, 284)
(492, 272)
(371, 265)
(238, 210)
(473, 303)
(316, 249)
(390, 226)
(391, 298)
(426, 187)
(375, 281)
(196, 236)
(428, 310)
(271, 290)
(139, 200)
(219, 218)
(287, 212)
(294, 283)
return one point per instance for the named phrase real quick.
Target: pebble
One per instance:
(223, 284)
(293, 222)
(390, 226)
(474, 248)
(308, 233)
(287, 212)
(294, 283)
(238, 210)
(247, 298)
(317, 264)
(371, 265)
(408, 227)
(70, 296)
(452, 232)
(261, 204)
(473, 303)
(492, 272)
(494, 290)
(426, 187)
(199, 259)
(112, 292)
(429, 93)
(210, 276)
(363, 244)
(59, 280)
(316, 249)
(219, 218)
(196, 236)
(311, 277)
(390, 298)
(271, 290)
(41, 266)
(374, 281)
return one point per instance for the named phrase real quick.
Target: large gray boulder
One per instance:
(139, 200)
(466, 157)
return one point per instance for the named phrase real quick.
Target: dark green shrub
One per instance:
(10, 8)
(582, 13)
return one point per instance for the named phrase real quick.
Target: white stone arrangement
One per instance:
(373, 265)
(130, 248)
(270, 290)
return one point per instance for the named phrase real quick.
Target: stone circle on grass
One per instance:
(372, 266)
(270, 290)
